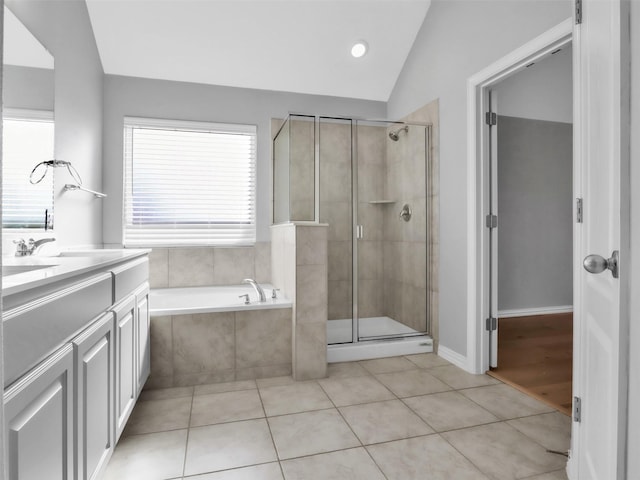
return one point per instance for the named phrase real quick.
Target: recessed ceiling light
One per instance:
(359, 49)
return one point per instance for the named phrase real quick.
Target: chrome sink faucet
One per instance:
(257, 288)
(23, 249)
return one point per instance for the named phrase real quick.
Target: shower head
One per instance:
(394, 134)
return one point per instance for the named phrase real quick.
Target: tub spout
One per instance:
(257, 288)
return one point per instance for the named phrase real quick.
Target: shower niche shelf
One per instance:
(381, 202)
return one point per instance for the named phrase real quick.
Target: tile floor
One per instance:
(399, 418)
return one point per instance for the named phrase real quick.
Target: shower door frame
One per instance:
(355, 229)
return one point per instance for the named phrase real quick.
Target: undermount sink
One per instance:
(15, 269)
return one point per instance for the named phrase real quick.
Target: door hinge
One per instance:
(491, 118)
(578, 12)
(492, 221)
(577, 409)
(578, 210)
(492, 324)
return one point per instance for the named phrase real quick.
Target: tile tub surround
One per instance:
(207, 348)
(199, 266)
(279, 429)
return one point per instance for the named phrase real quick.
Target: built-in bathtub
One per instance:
(203, 335)
(220, 298)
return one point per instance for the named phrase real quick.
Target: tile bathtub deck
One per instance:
(399, 418)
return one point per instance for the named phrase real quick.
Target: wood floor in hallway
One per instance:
(535, 356)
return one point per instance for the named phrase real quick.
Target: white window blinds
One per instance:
(188, 183)
(28, 139)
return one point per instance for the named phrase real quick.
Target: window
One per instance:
(188, 183)
(28, 139)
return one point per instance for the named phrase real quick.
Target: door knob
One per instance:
(598, 264)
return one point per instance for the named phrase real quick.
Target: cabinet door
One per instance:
(94, 358)
(39, 421)
(143, 339)
(126, 381)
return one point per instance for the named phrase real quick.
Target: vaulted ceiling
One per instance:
(298, 46)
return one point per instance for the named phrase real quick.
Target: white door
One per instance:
(599, 352)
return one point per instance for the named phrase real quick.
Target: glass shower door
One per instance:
(392, 249)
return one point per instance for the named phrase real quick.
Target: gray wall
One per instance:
(65, 30)
(128, 96)
(458, 39)
(549, 90)
(27, 87)
(535, 231)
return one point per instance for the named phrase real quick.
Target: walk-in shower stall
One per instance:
(368, 181)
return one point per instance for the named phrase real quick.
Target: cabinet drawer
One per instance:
(128, 277)
(36, 329)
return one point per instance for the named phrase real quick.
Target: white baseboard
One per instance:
(527, 312)
(453, 357)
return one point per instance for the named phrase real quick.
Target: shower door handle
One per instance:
(359, 231)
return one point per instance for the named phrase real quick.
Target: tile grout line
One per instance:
(186, 446)
(352, 431)
(273, 442)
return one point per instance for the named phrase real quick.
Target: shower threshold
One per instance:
(379, 337)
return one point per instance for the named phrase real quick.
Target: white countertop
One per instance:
(59, 267)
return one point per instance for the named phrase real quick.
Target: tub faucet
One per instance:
(257, 288)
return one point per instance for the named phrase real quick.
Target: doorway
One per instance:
(532, 198)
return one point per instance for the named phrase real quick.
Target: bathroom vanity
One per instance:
(76, 356)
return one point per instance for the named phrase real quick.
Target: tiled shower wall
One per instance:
(405, 243)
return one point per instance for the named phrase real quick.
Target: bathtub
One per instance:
(222, 298)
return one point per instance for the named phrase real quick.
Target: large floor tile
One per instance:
(506, 402)
(384, 421)
(346, 369)
(352, 464)
(387, 365)
(310, 433)
(228, 445)
(551, 430)
(351, 391)
(458, 378)
(154, 456)
(502, 452)
(159, 416)
(427, 360)
(557, 475)
(412, 382)
(421, 458)
(266, 471)
(225, 387)
(226, 407)
(294, 398)
(275, 381)
(449, 410)
(165, 393)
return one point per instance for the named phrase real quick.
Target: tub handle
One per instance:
(246, 298)
(274, 293)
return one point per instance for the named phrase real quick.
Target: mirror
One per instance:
(28, 127)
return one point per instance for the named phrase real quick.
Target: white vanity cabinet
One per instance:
(38, 412)
(143, 338)
(95, 393)
(77, 357)
(126, 385)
